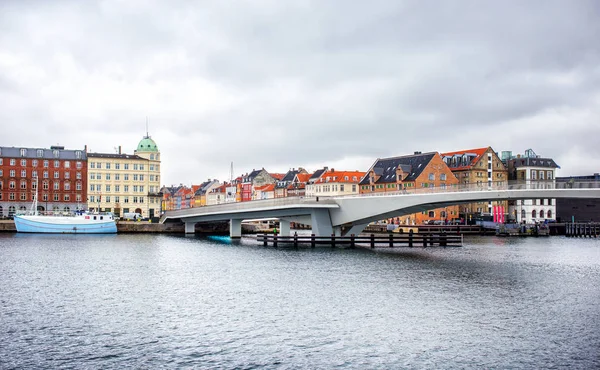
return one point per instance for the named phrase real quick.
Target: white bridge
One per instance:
(327, 215)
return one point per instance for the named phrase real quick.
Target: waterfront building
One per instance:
(217, 195)
(252, 180)
(123, 183)
(297, 188)
(169, 201)
(578, 210)
(201, 191)
(264, 192)
(282, 184)
(338, 183)
(231, 191)
(479, 168)
(534, 171)
(59, 173)
(310, 185)
(416, 172)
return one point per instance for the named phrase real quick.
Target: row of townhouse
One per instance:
(479, 168)
(66, 180)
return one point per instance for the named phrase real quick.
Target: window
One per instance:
(92, 187)
(67, 175)
(152, 157)
(135, 199)
(141, 199)
(126, 199)
(549, 177)
(45, 185)
(45, 197)
(107, 188)
(78, 197)
(126, 166)
(56, 185)
(34, 163)
(142, 177)
(431, 214)
(151, 177)
(56, 174)
(23, 152)
(56, 197)
(549, 215)
(92, 199)
(126, 188)
(12, 162)
(141, 188)
(92, 165)
(78, 154)
(107, 200)
(141, 167)
(23, 173)
(23, 196)
(117, 166)
(12, 173)
(78, 175)
(116, 199)
(135, 177)
(533, 174)
(117, 188)
(542, 213)
(24, 162)
(1, 173)
(108, 176)
(135, 166)
(151, 167)
(78, 186)
(533, 214)
(135, 188)
(45, 174)
(443, 177)
(92, 176)
(79, 165)
(11, 196)
(98, 165)
(40, 153)
(46, 164)
(67, 197)
(431, 177)
(56, 153)
(107, 165)
(117, 176)
(126, 177)
(67, 186)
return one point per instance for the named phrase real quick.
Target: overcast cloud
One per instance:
(281, 84)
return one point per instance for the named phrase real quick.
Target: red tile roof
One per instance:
(268, 187)
(340, 176)
(479, 152)
(278, 176)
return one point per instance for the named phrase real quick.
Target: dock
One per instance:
(372, 241)
(582, 230)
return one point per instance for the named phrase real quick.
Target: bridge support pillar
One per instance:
(337, 230)
(235, 228)
(321, 222)
(356, 229)
(284, 227)
(190, 227)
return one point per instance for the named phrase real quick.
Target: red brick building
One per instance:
(60, 174)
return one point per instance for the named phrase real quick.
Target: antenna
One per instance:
(147, 127)
(231, 173)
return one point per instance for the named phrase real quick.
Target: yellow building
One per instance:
(126, 183)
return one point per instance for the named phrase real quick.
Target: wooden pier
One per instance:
(373, 241)
(583, 230)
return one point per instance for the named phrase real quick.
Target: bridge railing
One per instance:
(511, 185)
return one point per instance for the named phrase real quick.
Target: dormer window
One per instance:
(23, 152)
(56, 153)
(40, 153)
(78, 154)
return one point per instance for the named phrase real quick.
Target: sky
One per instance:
(285, 84)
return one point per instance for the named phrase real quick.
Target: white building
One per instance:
(534, 171)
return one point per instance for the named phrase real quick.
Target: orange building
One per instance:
(411, 173)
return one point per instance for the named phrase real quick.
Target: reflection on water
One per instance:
(88, 301)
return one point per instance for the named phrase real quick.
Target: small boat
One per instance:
(80, 222)
(83, 223)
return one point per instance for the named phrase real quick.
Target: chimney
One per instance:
(85, 148)
(119, 149)
(417, 152)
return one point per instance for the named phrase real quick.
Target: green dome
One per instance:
(147, 145)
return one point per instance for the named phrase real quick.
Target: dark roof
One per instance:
(115, 156)
(32, 153)
(386, 167)
(204, 187)
(287, 179)
(533, 162)
(318, 173)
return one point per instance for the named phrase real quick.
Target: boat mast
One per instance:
(34, 204)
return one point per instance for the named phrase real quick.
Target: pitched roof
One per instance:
(340, 176)
(464, 159)
(264, 188)
(303, 177)
(277, 176)
(533, 162)
(413, 164)
(318, 173)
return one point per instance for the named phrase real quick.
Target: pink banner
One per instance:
(495, 213)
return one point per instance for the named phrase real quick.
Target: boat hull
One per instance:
(64, 225)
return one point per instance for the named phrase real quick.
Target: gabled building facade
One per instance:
(416, 172)
(203, 189)
(310, 185)
(479, 168)
(254, 179)
(282, 185)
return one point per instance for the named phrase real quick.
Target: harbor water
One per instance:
(161, 301)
